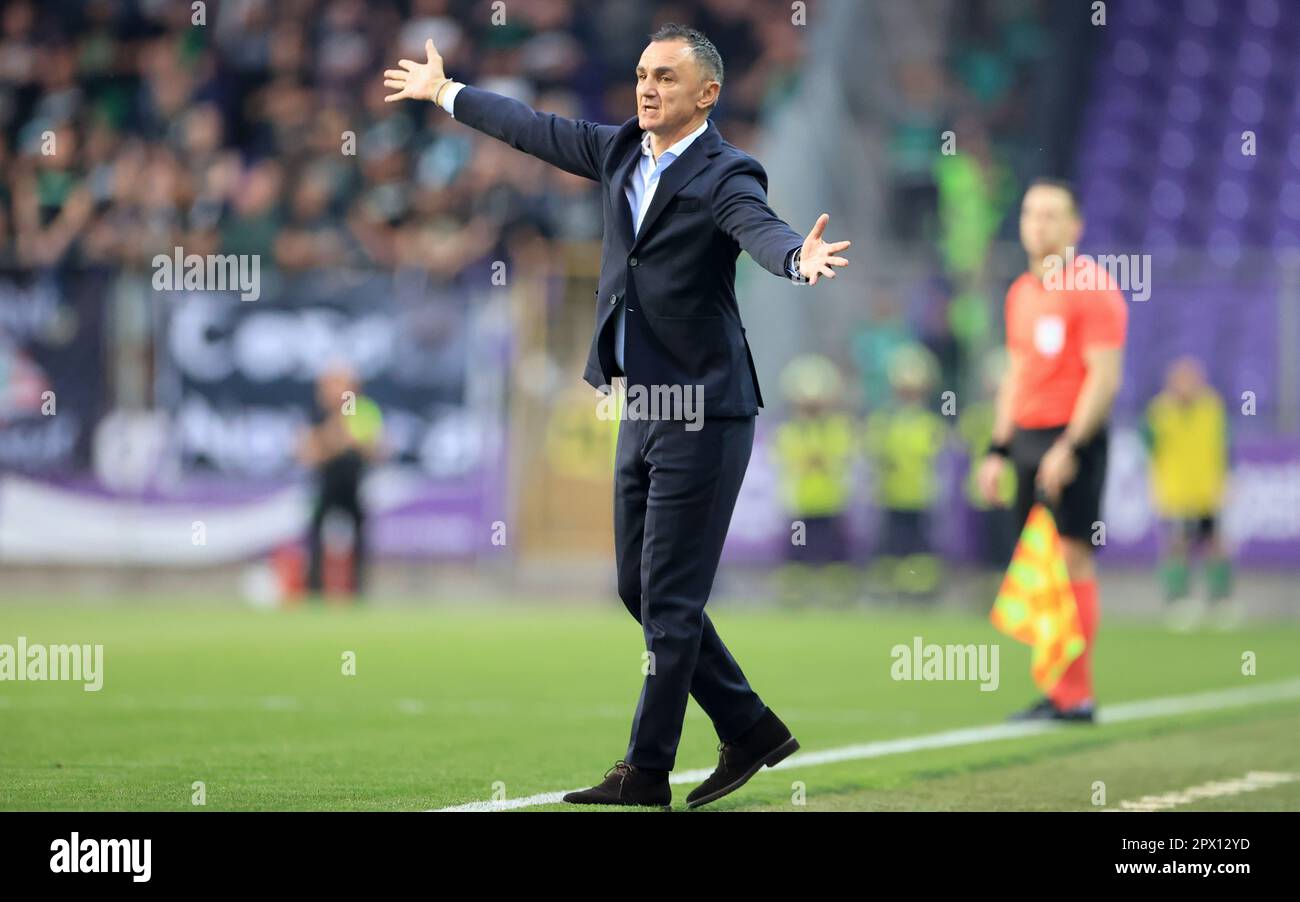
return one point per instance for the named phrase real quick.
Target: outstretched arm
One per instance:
(575, 146)
(741, 210)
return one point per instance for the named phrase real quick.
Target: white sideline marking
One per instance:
(1121, 713)
(1212, 790)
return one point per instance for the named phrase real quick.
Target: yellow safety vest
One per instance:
(1189, 455)
(903, 442)
(815, 459)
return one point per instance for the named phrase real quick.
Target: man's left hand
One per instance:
(818, 257)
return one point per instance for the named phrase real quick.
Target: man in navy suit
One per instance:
(680, 203)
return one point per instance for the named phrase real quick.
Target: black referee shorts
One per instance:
(1079, 508)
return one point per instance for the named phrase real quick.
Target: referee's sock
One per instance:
(1075, 686)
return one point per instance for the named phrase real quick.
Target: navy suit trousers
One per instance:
(674, 492)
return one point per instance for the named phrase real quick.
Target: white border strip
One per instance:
(1157, 707)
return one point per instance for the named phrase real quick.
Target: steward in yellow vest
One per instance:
(1186, 433)
(814, 451)
(903, 441)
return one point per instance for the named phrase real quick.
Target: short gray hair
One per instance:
(706, 55)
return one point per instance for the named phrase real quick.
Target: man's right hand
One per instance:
(416, 81)
(989, 479)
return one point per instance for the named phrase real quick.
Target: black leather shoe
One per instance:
(1044, 709)
(764, 744)
(625, 784)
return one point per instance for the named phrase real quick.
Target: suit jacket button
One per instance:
(632, 262)
(613, 299)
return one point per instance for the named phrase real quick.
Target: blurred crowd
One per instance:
(959, 130)
(959, 136)
(130, 127)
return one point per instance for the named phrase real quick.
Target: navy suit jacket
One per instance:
(677, 276)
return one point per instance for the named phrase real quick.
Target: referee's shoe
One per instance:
(1045, 709)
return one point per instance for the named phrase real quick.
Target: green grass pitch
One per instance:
(451, 704)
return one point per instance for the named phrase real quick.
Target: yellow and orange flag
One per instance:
(1036, 604)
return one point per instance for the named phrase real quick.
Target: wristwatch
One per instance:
(793, 268)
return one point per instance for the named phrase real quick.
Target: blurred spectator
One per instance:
(917, 126)
(975, 191)
(814, 454)
(874, 344)
(345, 435)
(1186, 433)
(903, 441)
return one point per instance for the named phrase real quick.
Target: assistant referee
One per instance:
(1065, 347)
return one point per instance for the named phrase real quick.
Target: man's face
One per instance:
(1048, 221)
(670, 87)
(1185, 379)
